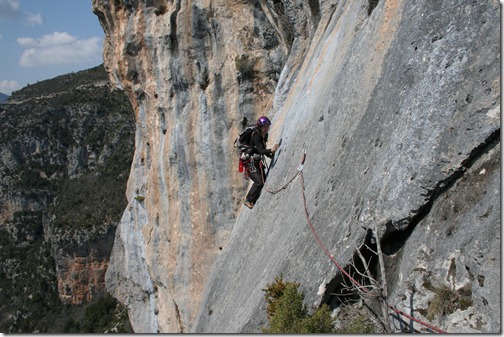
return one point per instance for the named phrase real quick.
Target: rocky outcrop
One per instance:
(397, 107)
(81, 267)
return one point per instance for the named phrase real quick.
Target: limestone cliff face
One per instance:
(193, 71)
(397, 106)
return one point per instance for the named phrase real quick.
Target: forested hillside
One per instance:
(66, 146)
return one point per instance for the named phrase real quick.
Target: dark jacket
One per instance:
(258, 144)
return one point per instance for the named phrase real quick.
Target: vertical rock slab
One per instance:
(193, 71)
(395, 106)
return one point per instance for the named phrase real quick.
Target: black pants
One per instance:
(258, 178)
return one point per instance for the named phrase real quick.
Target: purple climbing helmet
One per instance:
(263, 120)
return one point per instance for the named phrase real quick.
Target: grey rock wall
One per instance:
(193, 71)
(399, 114)
(397, 105)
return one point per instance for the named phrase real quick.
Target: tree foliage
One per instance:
(288, 314)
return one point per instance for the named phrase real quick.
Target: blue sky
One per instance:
(42, 39)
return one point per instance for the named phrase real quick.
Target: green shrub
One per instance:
(319, 322)
(106, 314)
(288, 314)
(71, 325)
(273, 292)
(99, 314)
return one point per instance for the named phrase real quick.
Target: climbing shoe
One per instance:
(249, 204)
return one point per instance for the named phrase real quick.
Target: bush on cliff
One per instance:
(287, 314)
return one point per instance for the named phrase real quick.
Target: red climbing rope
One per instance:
(415, 319)
(326, 251)
(300, 168)
(283, 187)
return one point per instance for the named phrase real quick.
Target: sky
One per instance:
(42, 39)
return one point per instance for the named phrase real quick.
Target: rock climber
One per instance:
(256, 171)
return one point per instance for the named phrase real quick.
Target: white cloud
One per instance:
(46, 41)
(58, 48)
(7, 87)
(33, 19)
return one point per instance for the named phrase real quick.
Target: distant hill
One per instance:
(60, 85)
(3, 97)
(66, 147)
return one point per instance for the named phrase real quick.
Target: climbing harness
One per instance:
(251, 166)
(326, 251)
